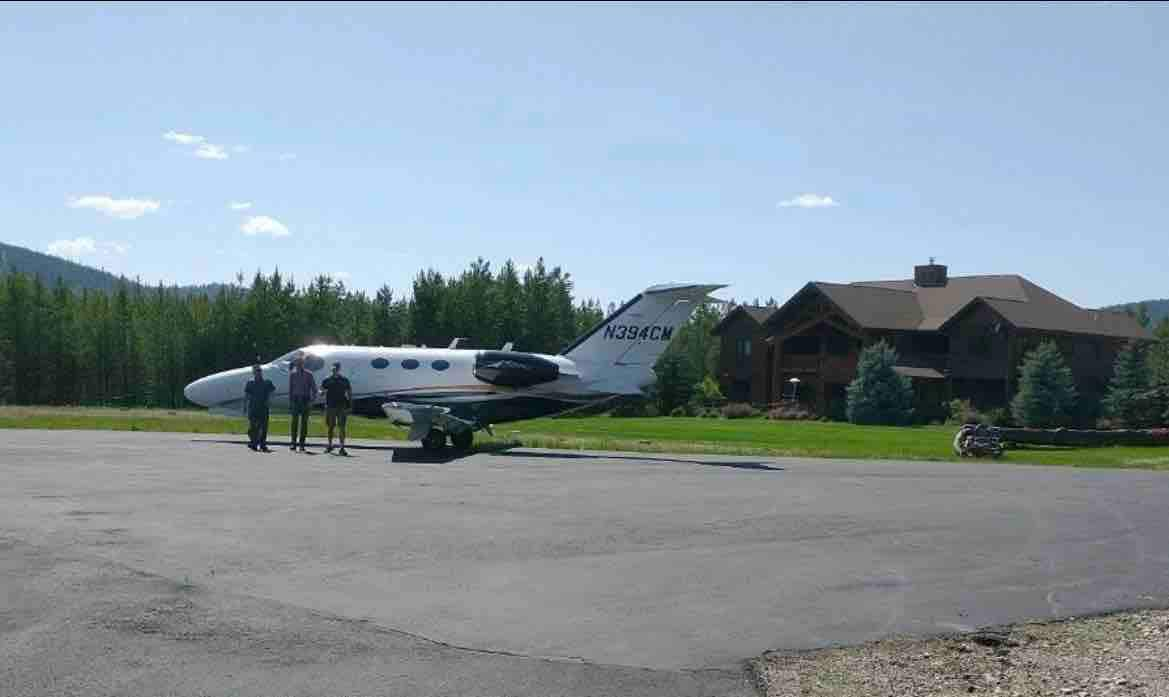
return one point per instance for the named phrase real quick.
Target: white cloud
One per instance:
(211, 151)
(73, 249)
(122, 208)
(119, 248)
(287, 156)
(239, 205)
(183, 138)
(809, 201)
(263, 225)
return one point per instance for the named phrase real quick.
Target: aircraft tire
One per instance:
(434, 441)
(462, 440)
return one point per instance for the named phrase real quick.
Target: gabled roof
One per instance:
(757, 314)
(901, 304)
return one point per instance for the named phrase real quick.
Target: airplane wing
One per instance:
(423, 417)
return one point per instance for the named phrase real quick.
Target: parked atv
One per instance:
(978, 440)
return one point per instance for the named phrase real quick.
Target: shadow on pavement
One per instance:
(417, 454)
(761, 466)
(407, 454)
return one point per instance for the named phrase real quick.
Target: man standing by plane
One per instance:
(256, 396)
(338, 397)
(302, 390)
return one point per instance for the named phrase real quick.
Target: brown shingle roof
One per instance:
(758, 313)
(901, 304)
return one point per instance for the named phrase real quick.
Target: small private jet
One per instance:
(449, 393)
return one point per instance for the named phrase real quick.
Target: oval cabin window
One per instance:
(440, 365)
(380, 363)
(313, 363)
(409, 364)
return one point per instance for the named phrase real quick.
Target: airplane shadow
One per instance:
(759, 466)
(419, 455)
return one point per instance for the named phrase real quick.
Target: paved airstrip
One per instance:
(153, 564)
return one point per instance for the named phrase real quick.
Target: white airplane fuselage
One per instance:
(458, 391)
(381, 376)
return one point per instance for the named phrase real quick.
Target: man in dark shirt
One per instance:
(338, 397)
(257, 393)
(302, 390)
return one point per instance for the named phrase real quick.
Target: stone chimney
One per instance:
(930, 275)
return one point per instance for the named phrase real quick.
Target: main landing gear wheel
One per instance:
(462, 439)
(434, 441)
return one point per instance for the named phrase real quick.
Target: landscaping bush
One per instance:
(679, 411)
(635, 408)
(1000, 416)
(963, 412)
(790, 412)
(706, 394)
(739, 410)
(1047, 390)
(879, 395)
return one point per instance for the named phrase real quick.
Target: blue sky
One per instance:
(630, 144)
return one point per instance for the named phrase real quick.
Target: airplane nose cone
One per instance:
(199, 391)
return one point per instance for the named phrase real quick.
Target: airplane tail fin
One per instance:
(637, 334)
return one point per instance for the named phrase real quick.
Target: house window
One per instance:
(743, 348)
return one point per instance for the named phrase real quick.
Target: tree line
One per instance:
(137, 346)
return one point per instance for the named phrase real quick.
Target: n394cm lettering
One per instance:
(635, 332)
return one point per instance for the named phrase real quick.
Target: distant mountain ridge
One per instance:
(49, 268)
(1158, 309)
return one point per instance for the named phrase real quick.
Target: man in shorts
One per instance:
(338, 399)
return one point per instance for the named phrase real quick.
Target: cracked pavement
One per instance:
(181, 564)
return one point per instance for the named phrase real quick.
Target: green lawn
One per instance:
(738, 436)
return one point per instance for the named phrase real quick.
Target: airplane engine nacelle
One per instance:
(514, 369)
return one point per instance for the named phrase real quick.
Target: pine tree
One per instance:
(6, 366)
(427, 312)
(1129, 379)
(879, 395)
(1158, 358)
(539, 314)
(674, 383)
(509, 307)
(1047, 390)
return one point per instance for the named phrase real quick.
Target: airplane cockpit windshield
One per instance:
(312, 362)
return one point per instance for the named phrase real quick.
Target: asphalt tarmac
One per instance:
(150, 564)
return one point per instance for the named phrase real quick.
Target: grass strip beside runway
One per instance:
(663, 434)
